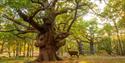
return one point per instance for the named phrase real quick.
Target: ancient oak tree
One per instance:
(50, 19)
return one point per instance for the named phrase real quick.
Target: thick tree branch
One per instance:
(66, 22)
(75, 17)
(19, 31)
(7, 30)
(34, 13)
(64, 11)
(70, 9)
(17, 35)
(54, 3)
(30, 21)
(44, 4)
(61, 36)
(15, 21)
(26, 31)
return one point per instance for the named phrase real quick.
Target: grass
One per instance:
(82, 59)
(15, 60)
(102, 59)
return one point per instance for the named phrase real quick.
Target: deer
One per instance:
(75, 53)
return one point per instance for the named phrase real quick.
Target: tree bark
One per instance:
(47, 46)
(9, 52)
(80, 47)
(92, 51)
(17, 49)
(2, 47)
(28, 49)
(24, 53)
(32, 49)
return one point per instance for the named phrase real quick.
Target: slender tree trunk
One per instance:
(20, 49)
(2, 46)
(28, 50)
(9, 53)
(80, 47)
(110, 43)
(14, 50)
(92, 51)
(17, 49)
(120, 49)
(24, 53)
(32, 49)
(124, 48)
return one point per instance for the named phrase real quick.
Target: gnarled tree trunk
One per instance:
(48, 43)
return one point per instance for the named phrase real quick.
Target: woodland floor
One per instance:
(82, 59)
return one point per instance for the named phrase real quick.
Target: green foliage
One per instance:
(106, 45)
(17, 3)
(108, 28)
(121, 23)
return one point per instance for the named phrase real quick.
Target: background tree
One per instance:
(114, 11)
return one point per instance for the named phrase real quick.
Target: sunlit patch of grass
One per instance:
(103, 59)
(15, 60)
(83, 62)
